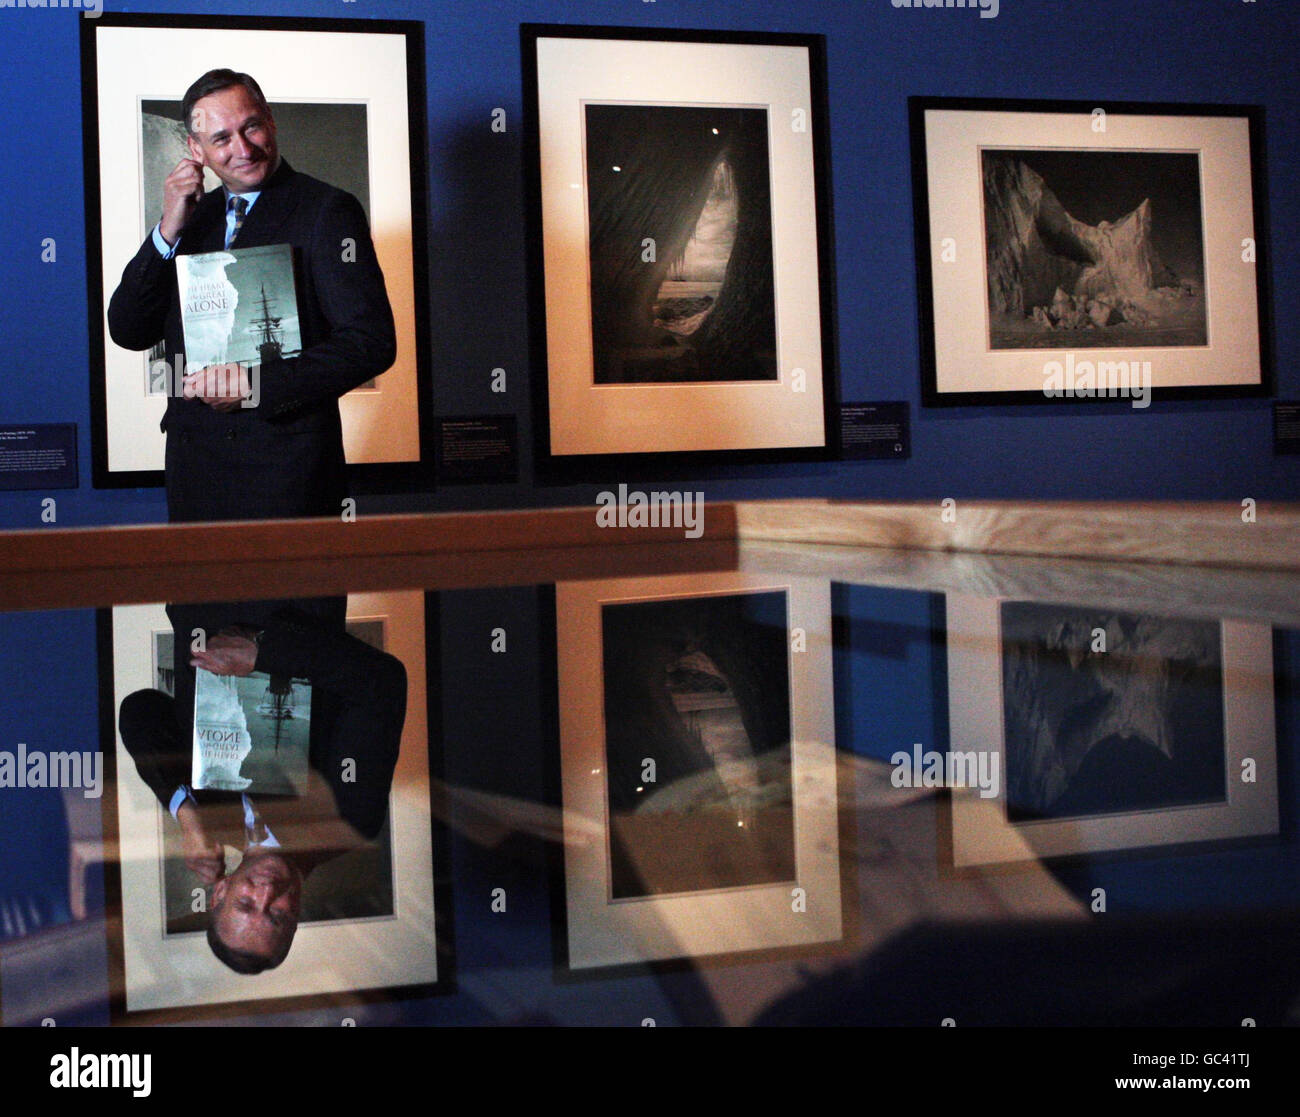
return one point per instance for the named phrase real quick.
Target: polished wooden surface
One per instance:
(1222, 534)
(1171, 557)
(274, 540)
(1194, 533)
(1208, 592)
(314, 577)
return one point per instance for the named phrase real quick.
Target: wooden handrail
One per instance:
(97, 548)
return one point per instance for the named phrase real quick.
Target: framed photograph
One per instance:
(367, 919)
(1071, 250)
(348, 98)
(680, 256)
(1106, 730)
(697, 767)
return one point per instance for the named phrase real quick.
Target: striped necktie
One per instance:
(240, 206)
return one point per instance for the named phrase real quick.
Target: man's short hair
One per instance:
(214, 81)
(243, 961)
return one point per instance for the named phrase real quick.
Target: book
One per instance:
(251, 733)
(238, 305)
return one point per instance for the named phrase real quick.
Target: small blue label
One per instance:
(874, 430)
(38, 456)
(1286, 427)
(477, 449)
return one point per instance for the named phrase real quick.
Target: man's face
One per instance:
(255, 909)
(235, 137)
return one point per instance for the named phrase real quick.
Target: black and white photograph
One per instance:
(330, 141)
(680, 260)
(1108, 712)
(697, 766)
(1087, 251)
(680, 215)
(239, 304)
(1094, 249)
(697, 733)
(1106, 730)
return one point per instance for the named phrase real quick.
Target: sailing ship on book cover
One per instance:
(238, 305)
(251, 733)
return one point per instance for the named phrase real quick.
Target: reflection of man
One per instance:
(358, 710)
(247, 443)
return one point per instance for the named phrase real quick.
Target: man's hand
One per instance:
(182, 190)
(227, 653)
(205, 858)
(222, 387)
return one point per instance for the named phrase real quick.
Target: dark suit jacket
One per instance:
(358, 710)
(285, 456)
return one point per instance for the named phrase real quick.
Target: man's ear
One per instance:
(219, 891)
(196, 152)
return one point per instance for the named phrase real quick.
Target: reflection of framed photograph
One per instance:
(697, 763)
(681, 267)
(1077, 250)
(1107, 730)
(367, 916)
(348, 99)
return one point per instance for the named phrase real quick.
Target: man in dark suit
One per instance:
(265, 441)
(358, 711)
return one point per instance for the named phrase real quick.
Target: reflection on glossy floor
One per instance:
(715, 783)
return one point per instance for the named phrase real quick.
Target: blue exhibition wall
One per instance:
(878, 54)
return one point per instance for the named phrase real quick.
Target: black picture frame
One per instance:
(581, 427)
(126, 444)
(952, 141)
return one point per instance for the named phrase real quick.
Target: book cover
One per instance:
(239, 304)
(251, 733)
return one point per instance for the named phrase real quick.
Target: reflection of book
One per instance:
(251, 733)
(238, 305)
